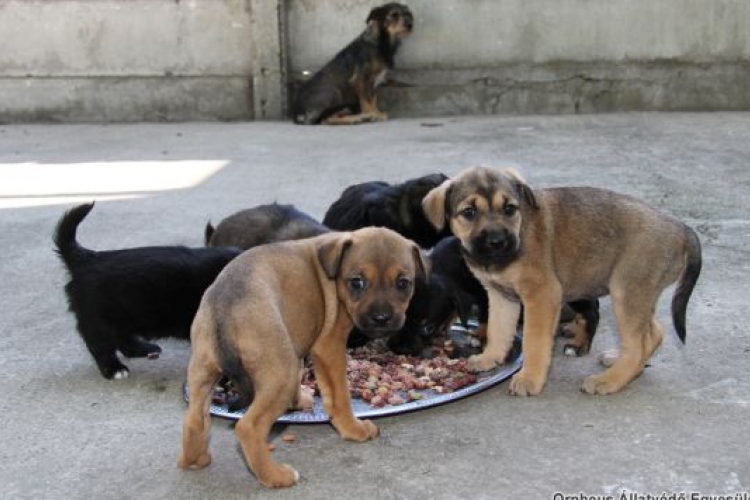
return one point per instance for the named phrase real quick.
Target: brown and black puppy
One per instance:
(395, 206)
(542, 247)
(271, 307)
(344, 91)
(261, 225)
(121, 297)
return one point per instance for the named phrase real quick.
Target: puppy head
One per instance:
(375, 270)
(484, 208)
(395, 19)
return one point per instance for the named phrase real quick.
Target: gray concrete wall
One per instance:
(124, 60)
(130, 60)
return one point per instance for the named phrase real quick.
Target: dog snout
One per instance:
(495, 240)
(381, 319)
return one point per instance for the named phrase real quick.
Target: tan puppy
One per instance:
(542, 247)
(272, 306)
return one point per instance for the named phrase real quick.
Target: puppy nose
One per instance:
(381, 318)
(408, 23)
(495, 240)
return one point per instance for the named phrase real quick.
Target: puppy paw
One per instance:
(121, 374)
(482, 363)
(609, 357)
(524, 384)
(360, 430)
(279, 476)
(601, 384)
(305, 398)
(203, 460)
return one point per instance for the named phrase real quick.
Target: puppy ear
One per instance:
(433, 205)
(523, 189)
(377, 14)
(422, 263)
(331, 254)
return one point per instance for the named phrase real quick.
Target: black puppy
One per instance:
(344, 90)
(397, 207)
(263, 224)
(120, 297)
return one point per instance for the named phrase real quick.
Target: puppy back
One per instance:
(67, 246)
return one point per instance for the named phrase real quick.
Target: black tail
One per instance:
(232, 369)
(68, 248)
(687, 283)
(207, 233)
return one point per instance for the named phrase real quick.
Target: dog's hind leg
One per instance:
(133, 347)
(203, 373)
(635, 324)
(274, 393)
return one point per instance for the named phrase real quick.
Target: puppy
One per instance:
(271, 307)
(542, 247)
(263, 224)
(398, 207)
(344, 91)
(120, 297)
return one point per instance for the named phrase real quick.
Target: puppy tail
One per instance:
(232, 368)
(64, 238)
(687, 283)
(208, 232)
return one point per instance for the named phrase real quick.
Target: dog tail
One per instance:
(232, 368)
(687, 283)
(66, 245)
(208, 232)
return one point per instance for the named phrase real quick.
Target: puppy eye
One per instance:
(468, 213)
(357, 284)
(510, 210)
(403, 284)
(429, 329)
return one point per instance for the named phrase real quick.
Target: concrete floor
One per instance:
(68, 433)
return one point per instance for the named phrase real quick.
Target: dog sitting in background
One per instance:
(120, 297)
(263, 224)
(344, 90)
(397, 207)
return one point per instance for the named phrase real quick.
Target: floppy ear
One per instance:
(331, 254)
(422, 263)
(523, 189)
(433, 205)
(377, 14)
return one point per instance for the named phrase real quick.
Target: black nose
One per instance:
(495, 240)
(408, 24)
(381, 318)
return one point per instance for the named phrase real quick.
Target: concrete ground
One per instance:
(68, 433)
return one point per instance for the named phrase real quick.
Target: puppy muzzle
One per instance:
(494, 248)
(378, 323)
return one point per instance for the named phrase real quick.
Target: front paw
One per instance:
(524, 384)
(360, 430)
(482, 362)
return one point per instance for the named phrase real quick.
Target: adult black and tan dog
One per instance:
(344, 90)
(395, 206)
(121, 297)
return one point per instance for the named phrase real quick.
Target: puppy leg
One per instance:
(203, 373)
(329, 359)
(541, 316)
(133, 347)
(501, 328)
(274, 393)
(102, 345)
(634, 314)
